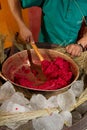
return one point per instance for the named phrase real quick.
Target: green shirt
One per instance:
(61, 19)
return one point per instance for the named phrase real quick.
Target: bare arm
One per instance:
(15, 7)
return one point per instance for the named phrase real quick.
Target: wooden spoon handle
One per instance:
(37, 51)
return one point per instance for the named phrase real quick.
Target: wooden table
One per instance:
(80, 125)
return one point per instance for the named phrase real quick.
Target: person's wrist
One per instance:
(21, 25)
(82, 48)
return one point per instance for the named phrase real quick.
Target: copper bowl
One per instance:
(14, 62)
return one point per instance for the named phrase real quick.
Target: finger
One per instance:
(76, 53)
(67, 47)
(27, 39)
(69, 50)
(32, 39)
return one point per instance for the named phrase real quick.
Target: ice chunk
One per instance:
(38, 101)
(67, 117)
(77, 87)
(19, 99)
(6, 91)
(66, 100)
(52, 102)
(12, 107)
(52, 122)
(16, 103)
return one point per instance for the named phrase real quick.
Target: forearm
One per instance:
(15, 7)
(83, 39)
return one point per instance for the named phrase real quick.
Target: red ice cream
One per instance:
(58, 75)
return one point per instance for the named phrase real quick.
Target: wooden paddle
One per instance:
(35, 67)
(36, 50)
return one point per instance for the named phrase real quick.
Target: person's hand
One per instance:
(74, 49)
(26, 34)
